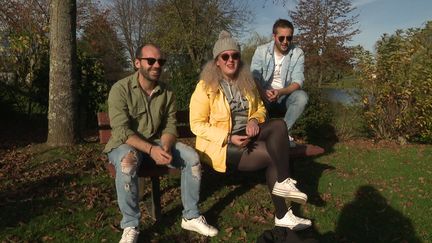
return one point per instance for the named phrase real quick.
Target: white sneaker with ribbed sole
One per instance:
(199, 225)
(287, 189)
(293, 222)
(130, 235)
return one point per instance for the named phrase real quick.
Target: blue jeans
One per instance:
(184, 157)
(294, 105)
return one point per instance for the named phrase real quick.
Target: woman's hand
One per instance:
(252, 128)
(240, 140)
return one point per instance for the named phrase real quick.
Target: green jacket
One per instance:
(130, 112)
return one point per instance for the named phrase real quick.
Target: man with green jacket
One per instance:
(142, 117)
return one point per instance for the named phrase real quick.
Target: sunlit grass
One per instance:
(359, 191)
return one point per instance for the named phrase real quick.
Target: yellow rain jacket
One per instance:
(210, 121)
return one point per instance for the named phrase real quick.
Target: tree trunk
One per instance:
(62, 125)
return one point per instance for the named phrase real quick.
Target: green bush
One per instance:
(398, 97)
(25, 65)
(316, 121)
(182, 79)
(93, 88)
(348, 121)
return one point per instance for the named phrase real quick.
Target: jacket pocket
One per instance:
(219, 120)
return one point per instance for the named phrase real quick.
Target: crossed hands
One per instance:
(252, 129)
(272, 95)
(161, 155)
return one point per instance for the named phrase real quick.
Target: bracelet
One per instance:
(151, 146)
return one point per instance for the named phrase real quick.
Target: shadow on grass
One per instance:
(19, 130)
(243, 182)
(31, 199)
(324, 136)
(308, 172)
(212, 182)
(368, 218)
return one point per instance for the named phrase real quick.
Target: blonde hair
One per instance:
(212, 75)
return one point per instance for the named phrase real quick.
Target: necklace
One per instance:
(278, 64)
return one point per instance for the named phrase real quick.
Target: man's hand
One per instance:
(252, 128)
(167, 140)
(166, 148)
(272, 95)
(160, 156)
(240, 141)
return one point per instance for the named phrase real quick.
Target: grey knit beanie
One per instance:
(225, 42)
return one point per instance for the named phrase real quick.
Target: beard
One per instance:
(146, 73)
(282, 49)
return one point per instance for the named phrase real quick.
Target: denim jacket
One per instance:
(263, 65)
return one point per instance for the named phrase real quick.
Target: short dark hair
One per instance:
(138, 51)
(282, 23)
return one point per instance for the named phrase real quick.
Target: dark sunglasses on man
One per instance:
(288, 38)
(151, 60)
(234, 56)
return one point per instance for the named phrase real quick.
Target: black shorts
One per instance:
(234, 154)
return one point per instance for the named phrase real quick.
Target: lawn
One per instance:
(358, 192)
(346, 82)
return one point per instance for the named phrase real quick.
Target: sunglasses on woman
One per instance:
(288, 38)
(234, 56)
(151, 60)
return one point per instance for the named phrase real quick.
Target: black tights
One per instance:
(270, 149)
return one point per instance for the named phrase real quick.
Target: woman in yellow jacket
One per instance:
(228, 117)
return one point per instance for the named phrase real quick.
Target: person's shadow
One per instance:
(369, 218)
(306, 170)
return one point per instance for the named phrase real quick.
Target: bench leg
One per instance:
(141, 188)
(155, 198)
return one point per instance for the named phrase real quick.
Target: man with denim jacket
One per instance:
(278, 68)
(142, 117)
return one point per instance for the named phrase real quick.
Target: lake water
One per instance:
(344, 96)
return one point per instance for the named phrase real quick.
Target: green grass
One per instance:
(358, 192)
(347, 82)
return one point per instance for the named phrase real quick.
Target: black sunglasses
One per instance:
(151, 60)
(234, 56)
(282, 38)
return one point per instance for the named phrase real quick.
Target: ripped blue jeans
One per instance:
(184, 157)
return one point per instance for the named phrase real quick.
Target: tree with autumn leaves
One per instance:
(106, 37)
(325, 28)
(396, 85)
(25, 59)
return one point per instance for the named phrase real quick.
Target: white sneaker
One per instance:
(130, 235)
(293, 222)
(199, 225)
(288, 190)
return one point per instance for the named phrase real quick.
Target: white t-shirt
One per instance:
(277, 82)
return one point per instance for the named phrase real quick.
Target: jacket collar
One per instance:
(271, 46)
(135, 84)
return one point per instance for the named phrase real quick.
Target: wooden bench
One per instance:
(154, 172)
